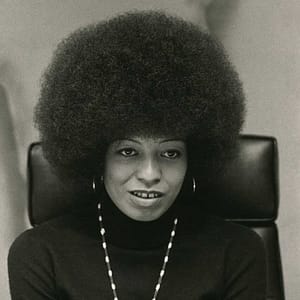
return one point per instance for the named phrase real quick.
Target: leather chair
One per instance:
(247, 193)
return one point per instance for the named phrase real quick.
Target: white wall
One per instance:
(262, 38)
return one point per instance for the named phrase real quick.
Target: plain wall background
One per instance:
(262, 39)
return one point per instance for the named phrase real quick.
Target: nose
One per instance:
(149, 172)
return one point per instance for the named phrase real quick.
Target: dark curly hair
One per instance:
(140, 73)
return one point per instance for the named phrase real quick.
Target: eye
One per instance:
(171, 154)
(128, 152)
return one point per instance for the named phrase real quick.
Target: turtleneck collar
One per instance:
(122, 231)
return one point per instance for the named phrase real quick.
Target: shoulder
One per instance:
(241, 253)
(216, 230)
(55, 233)
(34, 256)
(230, 231)
(237, 240)
(244, 257)
(35, 243)
(244, 260)
(221, 238)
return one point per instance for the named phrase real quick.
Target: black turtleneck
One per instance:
(125, 232)
(210, 259)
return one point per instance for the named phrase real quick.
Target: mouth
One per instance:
(146, 194)
(146, 199)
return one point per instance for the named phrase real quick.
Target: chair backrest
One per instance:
(246, 193)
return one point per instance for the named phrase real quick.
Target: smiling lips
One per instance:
(146, 194)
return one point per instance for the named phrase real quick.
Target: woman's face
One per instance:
(143, 175)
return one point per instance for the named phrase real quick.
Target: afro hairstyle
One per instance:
(139, 73)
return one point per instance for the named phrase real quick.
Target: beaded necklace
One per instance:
(107, 259)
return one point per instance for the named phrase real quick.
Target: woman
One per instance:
(132, 107)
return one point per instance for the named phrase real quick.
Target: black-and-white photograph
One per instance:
(150, 149)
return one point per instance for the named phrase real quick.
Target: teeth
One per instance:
(145, 195)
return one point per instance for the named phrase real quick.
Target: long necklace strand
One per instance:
(107, 260)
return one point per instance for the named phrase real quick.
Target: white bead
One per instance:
(102, 231)
(157, 287)
(170, 245)
(176, 221)
(162, 273)
(99, 206)
(115, 298)
(113, 286)
(107, 259)
(172, 233)
(100, 218)
(110, 273)
(166, 258)
(104, 245)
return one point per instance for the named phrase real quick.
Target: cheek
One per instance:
(116, 173)
(175, 175)
(114, 178)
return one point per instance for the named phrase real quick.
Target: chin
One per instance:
(146, 216)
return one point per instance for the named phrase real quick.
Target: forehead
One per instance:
(149, 140)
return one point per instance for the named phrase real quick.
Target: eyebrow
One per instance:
(128, 139)
(172, 140)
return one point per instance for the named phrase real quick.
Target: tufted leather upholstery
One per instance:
(247, 193)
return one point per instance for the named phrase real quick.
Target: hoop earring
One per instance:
(194, 185)
(94, 183)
